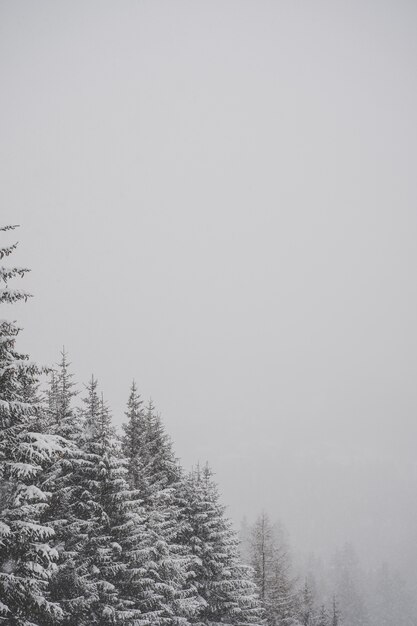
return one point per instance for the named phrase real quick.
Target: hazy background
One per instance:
(218, 198)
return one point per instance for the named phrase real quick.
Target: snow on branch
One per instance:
(13, 295)
(6, 273)
(8, 250)
(9, 227)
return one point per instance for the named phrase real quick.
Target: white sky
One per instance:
(218, 198)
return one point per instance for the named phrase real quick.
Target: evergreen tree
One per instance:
(156, 476)
(148, 449)
(95, 597)
(63, 420)
(225, 587)
(26, 555)
(125, 567)
(308, 611)
(269, 559)
(133, 442)
(323, 618)
(335, 621)
(162, 468)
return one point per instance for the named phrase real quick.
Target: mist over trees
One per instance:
(322, 592)
(102, 527)
(98, 528)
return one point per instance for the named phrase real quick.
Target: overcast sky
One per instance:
(218, 199)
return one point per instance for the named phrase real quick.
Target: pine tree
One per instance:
(26, 555)
(156, 476)
(308, 611)
(335, 621)
(148, 449)
(134, 440)
(94, 597)
(270, 562)
(162, 469)
(323, 618)
(120, 565)
(225, 587)
(63, 420)
(63, 416)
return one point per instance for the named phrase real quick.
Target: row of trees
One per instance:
(285, 601)
(376, 595)
(323, 592)
(97, 528)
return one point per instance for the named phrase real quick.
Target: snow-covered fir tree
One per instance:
(155, 474)
(227, 593)
(93, 597)
(126, 568)
(335, 618)
(63, 420)
(323, 618)
(307, 605)
(27, 558)
(269, 559)
(148, 449)
(134, 439)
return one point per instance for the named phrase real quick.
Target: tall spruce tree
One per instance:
(307, 605)
(134, 440)
(323, 618)
(155, 474)
(63, 420)
(94, 597)
(26, 555)
(125, 566)
(148, 449)
(335, 619)
(269, 559)
(227, 593)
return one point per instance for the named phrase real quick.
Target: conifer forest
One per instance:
(208, 338)
(105, 527)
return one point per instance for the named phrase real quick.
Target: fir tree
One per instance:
(270, 562)
(134, 440)
(26, 555)
(162, 466)
(118, 568)
(95, 597)
(323, 618)
(166, 590)
(308, 612)
(335, 621)
(63, 420)
(63, 417)
(148, 449)
(225, 587)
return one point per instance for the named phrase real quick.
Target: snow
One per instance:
(4, 530)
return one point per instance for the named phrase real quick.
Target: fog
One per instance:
(218, 199)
